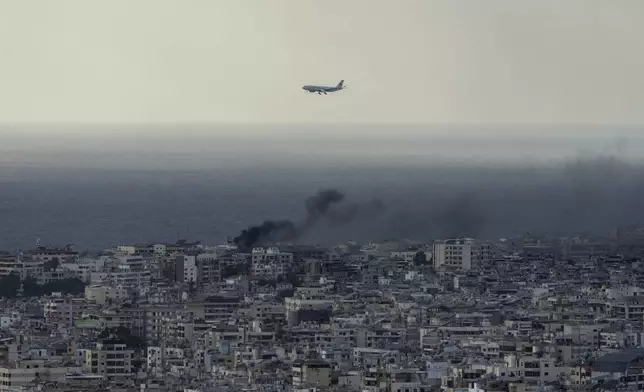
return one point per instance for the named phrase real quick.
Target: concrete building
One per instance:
(311, 372)
(63, 310)
(17, 375)
(111, 359)
(270, 263)
(187, 269)
(60, 255)
(460, 254)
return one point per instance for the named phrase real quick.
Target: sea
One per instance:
(101, 186)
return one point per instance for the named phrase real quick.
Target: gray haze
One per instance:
(410, 61)
(144, 188)
(568, 71)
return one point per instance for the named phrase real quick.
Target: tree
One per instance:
(267, 282)
(52, 264)
(9, 286)
(31, 288)
(233, 270)
(66, 286)
(169, 273)
(124, 334)
(287, 293)
(420, 258)
(293, 279)
(137, 364)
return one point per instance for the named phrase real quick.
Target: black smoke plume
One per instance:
(461, 217)
(350, 212)
(267, 231)
(590, 195)
(317, 207)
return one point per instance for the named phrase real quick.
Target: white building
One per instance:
(311, 373)
(270, 263)
(63, 310)
(123, 276)
(111, 359)
(460, 254)
(22, 267)
(409, 255)
(8, 319)
(18, 375)
(9, 264)
(102, 294)
(84, 267)
(188, 269)
(43, 254)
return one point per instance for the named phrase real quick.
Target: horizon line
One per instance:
(474, 125)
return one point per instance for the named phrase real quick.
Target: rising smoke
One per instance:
(282, 230)
(589, 195)
(318, 207)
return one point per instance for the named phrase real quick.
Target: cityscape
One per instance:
(525, 313)
(321, 196)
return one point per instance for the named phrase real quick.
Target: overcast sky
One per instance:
(451, 61)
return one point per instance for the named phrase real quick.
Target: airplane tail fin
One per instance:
(340, 84)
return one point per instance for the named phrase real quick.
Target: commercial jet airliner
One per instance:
(323, 90)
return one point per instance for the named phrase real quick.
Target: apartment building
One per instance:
(111, 359)
(18, 375)
(270, 263)
(311, 373)
(63, 310)
(460, 254)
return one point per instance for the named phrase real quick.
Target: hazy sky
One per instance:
(451, 61)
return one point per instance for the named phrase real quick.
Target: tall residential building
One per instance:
(62, 255)
(112, 360)
(187, 269)
(631, 235)
(63, 310)
(9, 264)
(460, 254)
(270, 263)
(311, 372)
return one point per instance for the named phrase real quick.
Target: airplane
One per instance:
(323, 90)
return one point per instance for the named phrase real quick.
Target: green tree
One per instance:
(72, 286)
(233, 270)
(124, 334)
(293, 279)
(285, 294)
(31, 288)
(52, 264)
(266, 282)
(9, 286)
(420, 258)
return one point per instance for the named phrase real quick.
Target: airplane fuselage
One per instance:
(315, 89)
(323, 89)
